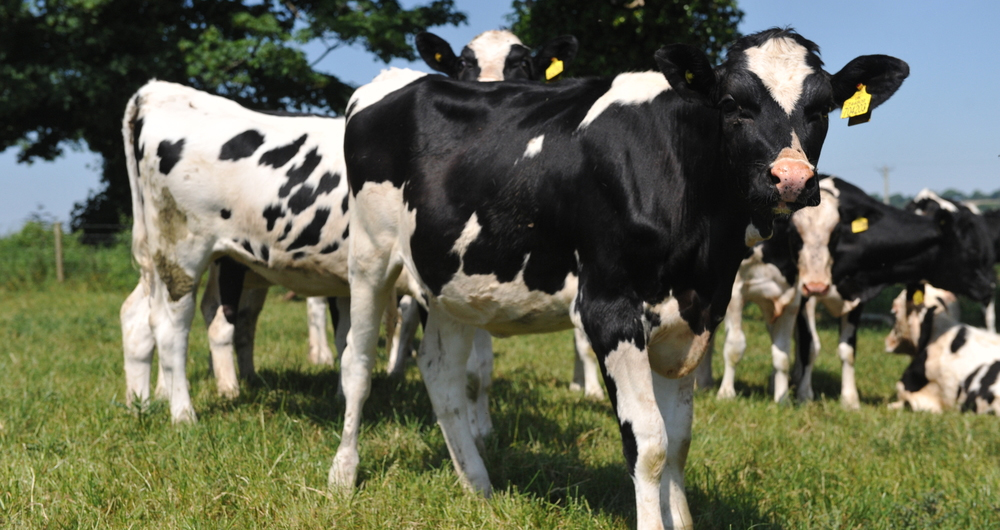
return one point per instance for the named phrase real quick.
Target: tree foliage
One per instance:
(622, 35)
(67, 67)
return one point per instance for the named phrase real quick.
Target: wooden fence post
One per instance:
(60, 277)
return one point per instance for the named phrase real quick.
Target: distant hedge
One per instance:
(27, 261)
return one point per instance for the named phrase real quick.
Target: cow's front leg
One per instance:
(846, 348)
(734, 346)
(675, 400)
(250, 306)
(442, 359)
(781, 331)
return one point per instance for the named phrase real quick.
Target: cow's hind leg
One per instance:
(319, 346)
(442, 359)
(585, 369)
(479, 372)
(138, 344)
(401, 347)
(172, 307)
(340, 314)
(675, 399)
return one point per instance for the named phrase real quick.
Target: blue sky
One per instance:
(939, 131)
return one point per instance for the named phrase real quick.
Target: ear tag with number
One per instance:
(688, 76)
(437, 57)
(857, 107)
(859, 225)
(554, 69)
(918, 298)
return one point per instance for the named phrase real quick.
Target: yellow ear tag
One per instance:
(857, 107)
(437, 57)
(859, 225)
(688, 76)
(918, 298)
(554, 69)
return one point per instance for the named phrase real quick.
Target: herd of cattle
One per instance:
(641, 210)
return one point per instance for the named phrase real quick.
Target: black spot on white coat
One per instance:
(243, 145)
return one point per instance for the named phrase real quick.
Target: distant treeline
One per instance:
(984, 201)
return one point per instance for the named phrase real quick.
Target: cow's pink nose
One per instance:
(792, 176)
(815, 288)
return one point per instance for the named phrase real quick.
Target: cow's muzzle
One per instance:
(791, 173)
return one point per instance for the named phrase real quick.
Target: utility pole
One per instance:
(885, 180)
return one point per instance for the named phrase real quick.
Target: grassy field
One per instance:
(73, 456)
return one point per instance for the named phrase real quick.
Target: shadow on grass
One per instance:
(535, 449)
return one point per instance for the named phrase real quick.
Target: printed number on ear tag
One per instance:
(554, 69)
(857, 107)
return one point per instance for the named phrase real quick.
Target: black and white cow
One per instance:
(927, 202)
(954, 366)
(623, 206)
(852, 246)
(277, 203)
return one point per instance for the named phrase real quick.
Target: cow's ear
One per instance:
(436, 53)
(562, 48)
(688, 71)
(915, 294)
(882, 76)
(944, 218)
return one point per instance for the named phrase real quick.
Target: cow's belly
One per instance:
(307, 279)
(506, 308)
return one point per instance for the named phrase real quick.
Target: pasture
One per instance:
(72, 454)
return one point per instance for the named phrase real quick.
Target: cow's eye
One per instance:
(463, 64)
(728, 105)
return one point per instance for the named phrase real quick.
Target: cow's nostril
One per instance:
(774, 179)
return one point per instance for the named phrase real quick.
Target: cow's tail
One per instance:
(131, 130)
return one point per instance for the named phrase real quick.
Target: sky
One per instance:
(939, 131)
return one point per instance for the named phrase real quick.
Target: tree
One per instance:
(622, 35)
(67, 67)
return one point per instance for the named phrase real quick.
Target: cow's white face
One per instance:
(487, 55)
(910, 310)
(815, 227)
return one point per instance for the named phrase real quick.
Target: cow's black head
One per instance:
(965, 261)
(495, 56)
(773, 98)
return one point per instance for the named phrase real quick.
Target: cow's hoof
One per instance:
(850, 403)
(343, 472)
(229, 392)
(185, 416)
(726, 392)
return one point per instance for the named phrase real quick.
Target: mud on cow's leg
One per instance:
(443, 360)
(846, 348)
(138, 343)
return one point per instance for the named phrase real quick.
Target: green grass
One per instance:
(73, 456)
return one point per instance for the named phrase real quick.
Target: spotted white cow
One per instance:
(278, 208)
(954, 366)
(620, 206)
